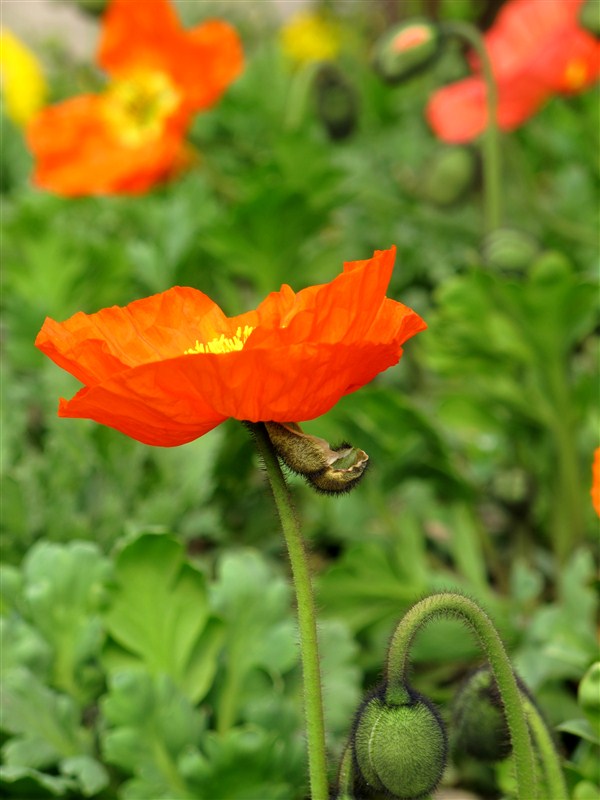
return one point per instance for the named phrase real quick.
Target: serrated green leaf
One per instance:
(151, 723)
(64, 589)
(89, 773)
(45, 722)
(159, 614)
(52, 784)
(582, 728)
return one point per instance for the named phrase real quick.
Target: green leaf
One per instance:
(151, 725)
(255, 603)
(159, 615)
(31, 783)
(91, 776)
(244, 764)
(341, 677)
(582, 728)
(64, 589)
(45, 723)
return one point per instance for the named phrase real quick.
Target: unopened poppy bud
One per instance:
(589, 17)
(478, 722)
(509, 249)
(343, 474)
(449, 175)
(407, 49)
(589, 694)
(330, 470)
(400, 749)
(336, 101)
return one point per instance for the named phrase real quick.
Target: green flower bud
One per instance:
(329, 470)
(407, 49)
(589, 695)
(336, 101)
(400, 749)
(509, 250)
(478, 722)
(449, 175)
(589, 17)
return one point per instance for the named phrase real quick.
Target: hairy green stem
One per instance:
(554, 779)
(468, 612)
(491, 143)
(313, 702)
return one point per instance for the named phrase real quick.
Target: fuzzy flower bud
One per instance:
(407, 49)
(328, 470)
(400, 749)
(478, 723)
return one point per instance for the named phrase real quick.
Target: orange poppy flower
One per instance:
(169, 368)
(132, 135)
(537, 49)
(595, 490)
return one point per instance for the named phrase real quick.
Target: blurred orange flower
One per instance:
(132, 135)
(169, 368)
(537, 49)
(595, 490)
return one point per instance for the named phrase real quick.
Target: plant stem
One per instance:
(491, 144)
(313, 703)
(461, 607)
(554, 778)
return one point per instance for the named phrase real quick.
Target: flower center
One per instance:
(137, 107)
(223, 344)
(576, 74)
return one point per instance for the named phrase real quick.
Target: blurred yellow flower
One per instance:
(21, 78)
(310, 37)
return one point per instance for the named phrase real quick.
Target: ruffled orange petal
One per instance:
(77, 153)
(94, 347)
(201, 62)
(139, 404)
(458, 113)
(290, 360)
(536, 49)
(138, 35)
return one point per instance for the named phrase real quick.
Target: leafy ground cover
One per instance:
(149, 642)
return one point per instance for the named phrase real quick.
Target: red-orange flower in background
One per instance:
(132, 135)
(537, 49)
(595, 490)
(169, 368)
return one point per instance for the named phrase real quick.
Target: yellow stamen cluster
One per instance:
(223, 344)
(137, 107)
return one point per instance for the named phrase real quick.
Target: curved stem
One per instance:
(313, 703)
(464, 609)
(491, 143)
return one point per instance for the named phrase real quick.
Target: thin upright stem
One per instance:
(462, 608)
(491, 143)
(554, 778)
(313, 702)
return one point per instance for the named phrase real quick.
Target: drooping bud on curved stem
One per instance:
(467, 611)
(399, 748)
(328, 470)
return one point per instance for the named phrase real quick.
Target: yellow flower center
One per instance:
(576, 74)
(223, 344)
(137, 107)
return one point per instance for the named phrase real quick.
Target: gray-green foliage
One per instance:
(187, 687)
